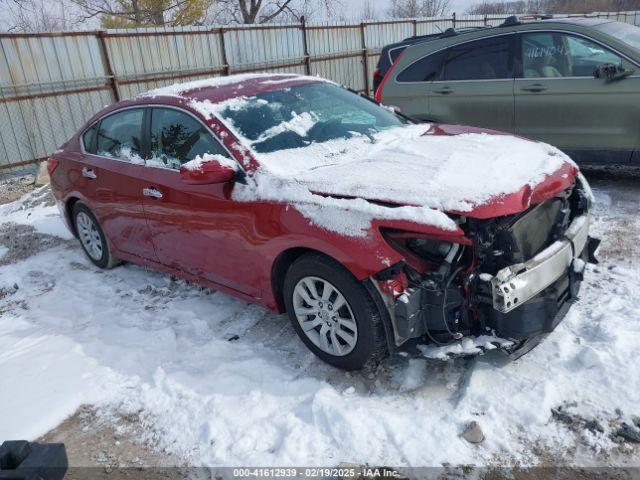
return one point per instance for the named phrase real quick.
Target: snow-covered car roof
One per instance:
(219, 89)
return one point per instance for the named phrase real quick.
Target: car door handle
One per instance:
(151, 192)
(535, 88)
(444, 91)
(89, 173)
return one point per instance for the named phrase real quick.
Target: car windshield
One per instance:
(298, 116)
(623, 32)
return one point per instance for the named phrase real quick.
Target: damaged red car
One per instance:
(374, 233)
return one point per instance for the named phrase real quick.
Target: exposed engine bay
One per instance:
(515, 278)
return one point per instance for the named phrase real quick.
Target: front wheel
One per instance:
(332, 312)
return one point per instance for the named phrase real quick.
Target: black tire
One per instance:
(106, 260)
(370, 345)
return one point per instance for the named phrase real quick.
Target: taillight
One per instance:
(52, 164)
(378, 96)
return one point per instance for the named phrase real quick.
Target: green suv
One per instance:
(573, 83)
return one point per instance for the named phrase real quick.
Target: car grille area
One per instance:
(536, 229)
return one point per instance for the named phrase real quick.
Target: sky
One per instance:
(349, 9)
(458, 6)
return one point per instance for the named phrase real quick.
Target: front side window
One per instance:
(552, 55)
(177, 137)
(299, 116)
(485, 59)
(426, 69)
(119, 135)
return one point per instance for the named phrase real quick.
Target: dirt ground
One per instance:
(13, 186)
(106, 443)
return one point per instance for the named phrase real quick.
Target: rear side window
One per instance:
(119, 135)
(426, 69)
(480, 60)
(89, 139)
(177, 137)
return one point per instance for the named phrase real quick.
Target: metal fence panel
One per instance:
(252, 48)
(51, 83)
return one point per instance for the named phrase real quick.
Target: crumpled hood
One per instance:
(474, 172)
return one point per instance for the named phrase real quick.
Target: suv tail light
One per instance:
(52, 164)
(378, 96)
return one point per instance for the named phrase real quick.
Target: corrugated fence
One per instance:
(51, 83)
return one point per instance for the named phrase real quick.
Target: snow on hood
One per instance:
(426, 175)
(406, 166)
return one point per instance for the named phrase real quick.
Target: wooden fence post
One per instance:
(305, 45)
(223, 48)
(107, 65)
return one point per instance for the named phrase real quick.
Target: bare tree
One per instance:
(498, 8)
(136, 13)
(36, 15)
(368, 11)
(418, 8)
(264, 11)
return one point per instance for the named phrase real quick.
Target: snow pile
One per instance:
(299, 124)
(223, 382)
(200, 160)
(464, 346)
(126, 153)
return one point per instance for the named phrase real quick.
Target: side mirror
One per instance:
(611, 71)
(205, 171)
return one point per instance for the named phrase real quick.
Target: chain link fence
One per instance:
(51, 83)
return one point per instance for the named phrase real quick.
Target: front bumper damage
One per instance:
(521, 302)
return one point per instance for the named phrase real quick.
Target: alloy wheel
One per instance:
(325, 316)
(89, 235)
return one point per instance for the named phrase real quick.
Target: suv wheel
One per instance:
(91, 237)
(333, 313)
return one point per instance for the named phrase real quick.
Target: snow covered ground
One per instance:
(221, 382)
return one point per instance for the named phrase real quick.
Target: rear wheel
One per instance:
(91, 237)
(333, 313)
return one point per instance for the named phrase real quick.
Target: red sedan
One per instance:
(375, 234)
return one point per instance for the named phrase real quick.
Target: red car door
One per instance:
(198, 229)
(108, 174)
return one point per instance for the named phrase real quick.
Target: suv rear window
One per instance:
(426, 69)
(484, 59)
